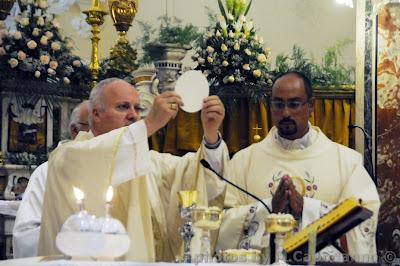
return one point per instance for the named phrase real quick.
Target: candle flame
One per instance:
(110, 193)
(79, 195)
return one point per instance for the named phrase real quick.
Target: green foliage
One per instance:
(329, 73)
(120, 64)
(171, 30)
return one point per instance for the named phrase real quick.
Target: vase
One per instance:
(167, 58)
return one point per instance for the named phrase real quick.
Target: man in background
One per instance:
(27, 223)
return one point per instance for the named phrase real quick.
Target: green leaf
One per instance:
(248, 8)
(222, 9)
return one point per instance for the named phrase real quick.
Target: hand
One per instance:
(280, 201)
(212, 115)
(165, 107)
(295, 200)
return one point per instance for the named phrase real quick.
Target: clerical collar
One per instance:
(297, 144)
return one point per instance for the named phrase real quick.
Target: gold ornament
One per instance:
(95, 18)
(122, 13)
(256, 136)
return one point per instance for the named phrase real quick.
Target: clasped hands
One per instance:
(286, 198)
(166, 106)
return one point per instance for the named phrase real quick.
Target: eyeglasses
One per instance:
(292, 105)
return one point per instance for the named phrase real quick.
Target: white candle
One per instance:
(80, 196)
(109, 196)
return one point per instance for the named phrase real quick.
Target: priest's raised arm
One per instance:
(146, 182)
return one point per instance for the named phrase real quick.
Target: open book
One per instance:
(341, 219)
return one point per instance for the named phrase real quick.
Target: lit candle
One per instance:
(80, 196)
(109, 196)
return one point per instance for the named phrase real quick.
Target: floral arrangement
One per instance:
(232, 52)
(36, 50)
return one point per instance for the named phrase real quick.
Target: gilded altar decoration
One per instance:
(122, 60)
(5, 7)
(233, 57)
(95, 18)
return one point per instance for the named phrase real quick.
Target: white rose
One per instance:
(76, 63)
(231, 79)
(246, 67)
(43, 4)
(210, 50)
(247, 51)
(37, 74)
(31, 44)
(53, 65)
(231, 34)
(44, 59)
(49, 34)
(257, 73)
(218, 33)
(13, 62)
(40, 21)
(36, 32)
(43, 40)
(224, 48)
(24, 21)
(55, 46)
(2, 50)
(21, 55)
(225, 63)
(261, 58)
(56, 23)
(18, 35)
(51, 71)
(236, 47)
(66, 80)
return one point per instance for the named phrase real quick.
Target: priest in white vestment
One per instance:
(146, 182)
(297, 170)
(27, 223)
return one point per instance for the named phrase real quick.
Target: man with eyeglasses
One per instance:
(27, 222)
(115, 152)
(297, 170)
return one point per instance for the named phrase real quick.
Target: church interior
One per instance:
(53, 53)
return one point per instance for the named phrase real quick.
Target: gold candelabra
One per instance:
(122, 55)
(5, 7)
(95, 18)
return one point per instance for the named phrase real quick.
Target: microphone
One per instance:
(208, 166)
(367, 138)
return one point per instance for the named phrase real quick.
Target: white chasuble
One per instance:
(145, 184)
(324, 171)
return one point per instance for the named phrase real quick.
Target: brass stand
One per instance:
(95, 18)
(122, 55)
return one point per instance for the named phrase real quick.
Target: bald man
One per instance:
(27, 223)
(115, 152)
